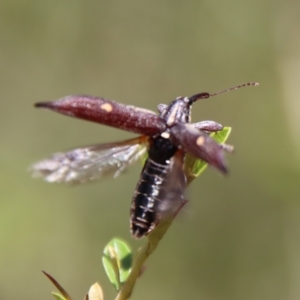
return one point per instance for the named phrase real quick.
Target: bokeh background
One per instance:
(239, 236)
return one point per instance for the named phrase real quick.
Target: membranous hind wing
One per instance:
(172, 193)
(91, 163)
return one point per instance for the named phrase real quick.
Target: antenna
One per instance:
(207, 95)
(235, 88)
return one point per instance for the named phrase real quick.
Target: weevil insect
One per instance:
(167, 137)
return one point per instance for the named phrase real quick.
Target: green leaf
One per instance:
(222, 135)
(117, 262)
(194, 166)
(144, 157)
(58, 296)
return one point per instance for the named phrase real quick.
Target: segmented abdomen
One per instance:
(147, 197)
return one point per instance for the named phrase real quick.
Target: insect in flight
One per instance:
(167, 137)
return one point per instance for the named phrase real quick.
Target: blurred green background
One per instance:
(239, 236)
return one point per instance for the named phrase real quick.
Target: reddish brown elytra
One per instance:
(167, 137)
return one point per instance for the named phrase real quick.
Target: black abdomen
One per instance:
(150, 190)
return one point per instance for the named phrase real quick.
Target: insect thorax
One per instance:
(161, 149)
(178, 110)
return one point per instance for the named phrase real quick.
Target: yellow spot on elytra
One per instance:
(200, 141)
(107, 107)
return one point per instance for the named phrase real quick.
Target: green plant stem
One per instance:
(141, 256)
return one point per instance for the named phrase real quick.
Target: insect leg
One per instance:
(210, 126)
